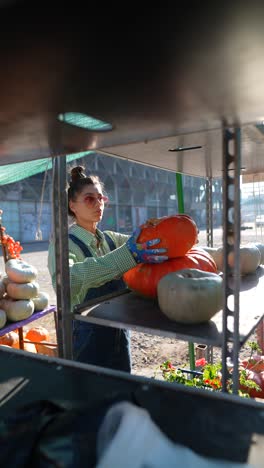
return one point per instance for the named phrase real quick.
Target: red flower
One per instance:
(200, 362)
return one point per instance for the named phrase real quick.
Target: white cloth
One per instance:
(128, 438)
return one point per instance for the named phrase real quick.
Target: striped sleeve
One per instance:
(92, 272)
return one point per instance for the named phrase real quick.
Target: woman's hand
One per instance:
(141, 253)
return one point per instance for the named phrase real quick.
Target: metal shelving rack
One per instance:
(229, 329)
(154, 105)
(131, 311)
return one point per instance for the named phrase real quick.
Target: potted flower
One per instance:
(209, 377)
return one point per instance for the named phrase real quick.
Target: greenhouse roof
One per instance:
(15, 172)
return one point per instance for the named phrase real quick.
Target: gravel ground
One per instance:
(148, 351)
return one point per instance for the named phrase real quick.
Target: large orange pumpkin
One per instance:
(177, 233)
(205, 260)
(143, 278)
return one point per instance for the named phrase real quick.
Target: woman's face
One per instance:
(88, 206)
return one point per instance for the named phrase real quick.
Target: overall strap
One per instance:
(110, 286)
(84, 247)
(86, 252)
(110, 242)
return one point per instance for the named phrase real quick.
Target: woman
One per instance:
(97, 261)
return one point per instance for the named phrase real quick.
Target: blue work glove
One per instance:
(141, 253)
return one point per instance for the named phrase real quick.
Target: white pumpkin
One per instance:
(5, 280)
(17, 310)
(250, 258)
(2, 288)
(190, 296)
(2, 318)
(261, 249)
(41, 301)
(20, 271)
(22, 291)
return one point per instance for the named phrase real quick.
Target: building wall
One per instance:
(136, 193)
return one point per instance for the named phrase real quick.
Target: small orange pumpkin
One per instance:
(143, 278)
(37, 334)
(177, 233)
(10, 339)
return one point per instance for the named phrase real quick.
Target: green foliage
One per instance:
(254, 347)
(210, 376)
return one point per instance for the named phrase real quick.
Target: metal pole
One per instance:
(209, 240)
(60, 229)
(180, 193)
(209, 212)
(231, 242)
(181, 210)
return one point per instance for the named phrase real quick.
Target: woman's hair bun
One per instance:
(77, 172)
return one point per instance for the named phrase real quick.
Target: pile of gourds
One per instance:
(251, 257)
(20, 295)
(32, 339)
(187, 286)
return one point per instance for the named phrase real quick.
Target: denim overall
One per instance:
(96, 344)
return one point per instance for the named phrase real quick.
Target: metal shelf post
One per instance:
(231, 243)
(60, 216)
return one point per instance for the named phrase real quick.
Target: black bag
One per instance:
(48, 434)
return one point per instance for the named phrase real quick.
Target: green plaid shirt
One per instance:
(92, 272)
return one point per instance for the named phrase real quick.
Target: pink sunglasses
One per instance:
(92, 199)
